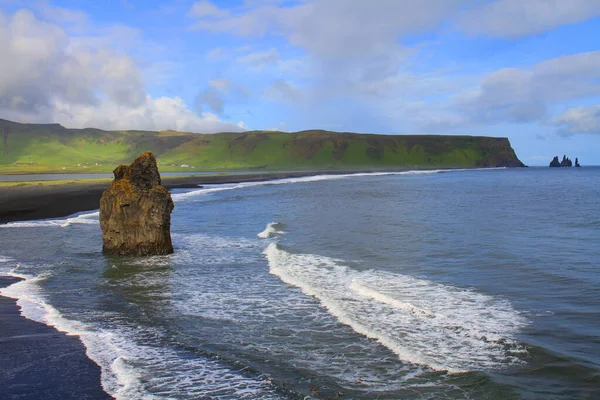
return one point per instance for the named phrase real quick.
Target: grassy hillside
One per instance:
(53, 148)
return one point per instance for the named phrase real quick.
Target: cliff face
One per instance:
(92, 150)
(135, 211)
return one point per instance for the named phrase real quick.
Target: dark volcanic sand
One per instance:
(39, 362)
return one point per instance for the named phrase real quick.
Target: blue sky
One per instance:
(525, 69)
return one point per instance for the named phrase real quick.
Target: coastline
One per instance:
(39, 201)
(39, 362)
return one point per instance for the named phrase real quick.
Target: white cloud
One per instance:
(351, 46)
(281, 91)
(332, 28)
(244, 49)
(259, 60)
(509, 95)
(516, 95)
(517, 18)
(52, 13)
(212, 98)
(41, 68)
(154, 114)
(354, 47)
(584, 119)
(523, 94)
(215, 54)
(206, 9)
(51, 77)
(220, 84)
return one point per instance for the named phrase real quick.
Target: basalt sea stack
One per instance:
(135, 211)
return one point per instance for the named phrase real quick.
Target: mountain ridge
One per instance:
(54, 148)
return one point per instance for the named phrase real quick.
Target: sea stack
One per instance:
(566, 162)
(135, 211)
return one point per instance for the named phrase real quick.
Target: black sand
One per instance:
(39, 362)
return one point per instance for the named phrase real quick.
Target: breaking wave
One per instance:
(131, 370)
(443, 327)
(273, 228)
(315, 178)
(87, 218)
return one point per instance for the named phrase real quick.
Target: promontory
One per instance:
(29, 148)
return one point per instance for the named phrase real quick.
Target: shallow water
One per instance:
(436, 284)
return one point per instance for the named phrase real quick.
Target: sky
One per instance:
(528, 70)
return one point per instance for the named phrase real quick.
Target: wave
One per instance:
(314, 178)
(271, 229)
(131, 370)
(90, 218)
(6, 265)
(443, 327)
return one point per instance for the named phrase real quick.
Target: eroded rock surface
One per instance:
(135, 211)
(566, 162)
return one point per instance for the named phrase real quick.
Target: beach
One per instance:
(39, 362)
(412, 284)
(38, 200)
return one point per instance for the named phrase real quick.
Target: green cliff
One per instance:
(32, 148)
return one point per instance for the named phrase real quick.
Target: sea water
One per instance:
(481, 284)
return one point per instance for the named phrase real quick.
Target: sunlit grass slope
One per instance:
(53, 148)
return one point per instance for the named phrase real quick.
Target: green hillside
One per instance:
(33, 148)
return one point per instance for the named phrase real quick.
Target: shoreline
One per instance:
(40, 362)
(39, 201)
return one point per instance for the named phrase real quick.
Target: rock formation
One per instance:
(566, 162)
(577, 162)
(135, 211)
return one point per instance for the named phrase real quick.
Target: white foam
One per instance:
(271, 230)
(87, 218)
(6, 265)
(423, 322)
(367, 292)
(314, 178)
(131, 370)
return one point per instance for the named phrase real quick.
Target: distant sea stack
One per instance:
(566, 162)
(135, 211)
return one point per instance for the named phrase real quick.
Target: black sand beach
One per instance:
(39, 362)
(23, 203)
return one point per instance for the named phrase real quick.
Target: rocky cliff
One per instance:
(95, 150)
(135, 211)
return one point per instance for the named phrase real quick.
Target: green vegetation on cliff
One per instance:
(53, 148)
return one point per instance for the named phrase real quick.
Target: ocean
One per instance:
(462, 284)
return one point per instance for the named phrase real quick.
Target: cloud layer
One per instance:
(50, 76)
(390, 66)
(352, 49)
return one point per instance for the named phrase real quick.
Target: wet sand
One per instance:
(39, 362)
